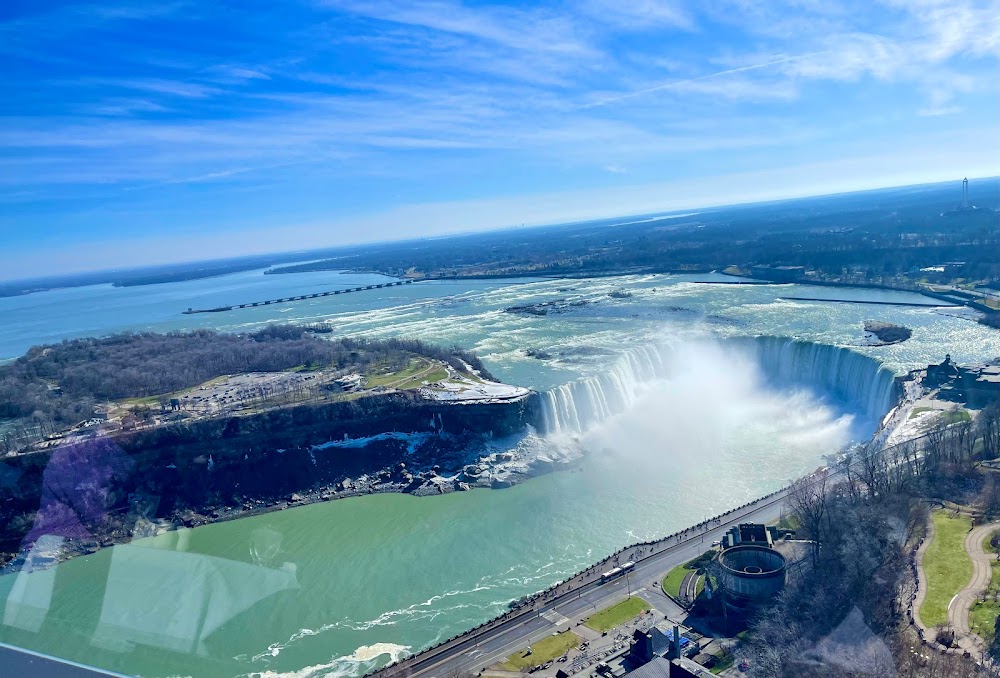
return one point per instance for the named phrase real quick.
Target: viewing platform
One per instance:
(301, 297)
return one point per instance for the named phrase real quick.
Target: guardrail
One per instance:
(528, 604)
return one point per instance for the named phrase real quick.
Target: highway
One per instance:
(576, 599)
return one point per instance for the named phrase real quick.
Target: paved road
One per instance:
(961, 604)
(473, 653)
(958, 611)
(918, 600)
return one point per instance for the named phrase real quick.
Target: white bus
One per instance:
(611, 574)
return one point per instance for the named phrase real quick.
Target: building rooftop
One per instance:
(657, 668)
(748, 533)
(685, 668)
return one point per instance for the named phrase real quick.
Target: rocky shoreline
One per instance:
(885, 334)
(433, 463)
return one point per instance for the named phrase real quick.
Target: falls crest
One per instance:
(852, 377)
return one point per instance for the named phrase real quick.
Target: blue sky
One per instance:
(138, 133)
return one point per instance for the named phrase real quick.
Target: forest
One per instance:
(55, 386)
(869, 236)
(866, 516)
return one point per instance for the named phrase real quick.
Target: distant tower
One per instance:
(965, 193)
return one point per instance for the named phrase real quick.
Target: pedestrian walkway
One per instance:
(555, 617)
(961, 604)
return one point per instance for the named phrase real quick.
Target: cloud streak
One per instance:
(341, 107)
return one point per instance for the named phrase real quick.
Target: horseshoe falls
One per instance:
(857, 380)
(854, 377)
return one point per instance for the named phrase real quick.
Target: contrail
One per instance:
(676, 83)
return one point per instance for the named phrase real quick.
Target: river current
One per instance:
(680, 410)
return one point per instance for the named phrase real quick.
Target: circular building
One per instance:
(748, 576)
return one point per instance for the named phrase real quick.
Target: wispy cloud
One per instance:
(697, 84)
(642, 15)
(354, 104)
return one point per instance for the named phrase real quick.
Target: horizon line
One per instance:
(471, 232)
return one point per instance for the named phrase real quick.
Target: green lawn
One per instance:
(386, 378)
(724, 664)
(672, 582)
(947, 416)
(430, 378)
(544, 650)
(983, 615)
(412, 376)
(947, 566)
(616, 615)
(956, 416)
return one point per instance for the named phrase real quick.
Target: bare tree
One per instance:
(808, 500)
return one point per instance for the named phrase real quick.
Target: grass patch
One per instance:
(984, 613)
(413, 376)
(789, 521)
(672, 582)
(723, 663)
(990, 539)
(947, 416)
(616, 615)
(544, 650)
(956, 416)
(387, 378)
(430, 378)
(946, 565)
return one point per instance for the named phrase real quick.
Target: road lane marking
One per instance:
(555, 617)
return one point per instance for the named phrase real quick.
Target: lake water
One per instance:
(338, 588)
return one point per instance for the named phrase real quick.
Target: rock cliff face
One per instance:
(212, 469)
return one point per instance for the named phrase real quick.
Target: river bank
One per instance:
(154, 481)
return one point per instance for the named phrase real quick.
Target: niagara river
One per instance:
(679, 398)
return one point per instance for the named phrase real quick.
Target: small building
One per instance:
(750, 575)
(685, 668)
(657, 641)
(942, 373)
(350, 382)
(751, 571)
(975, 386)
(658, 667)
(649, 644)
(748, 534)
